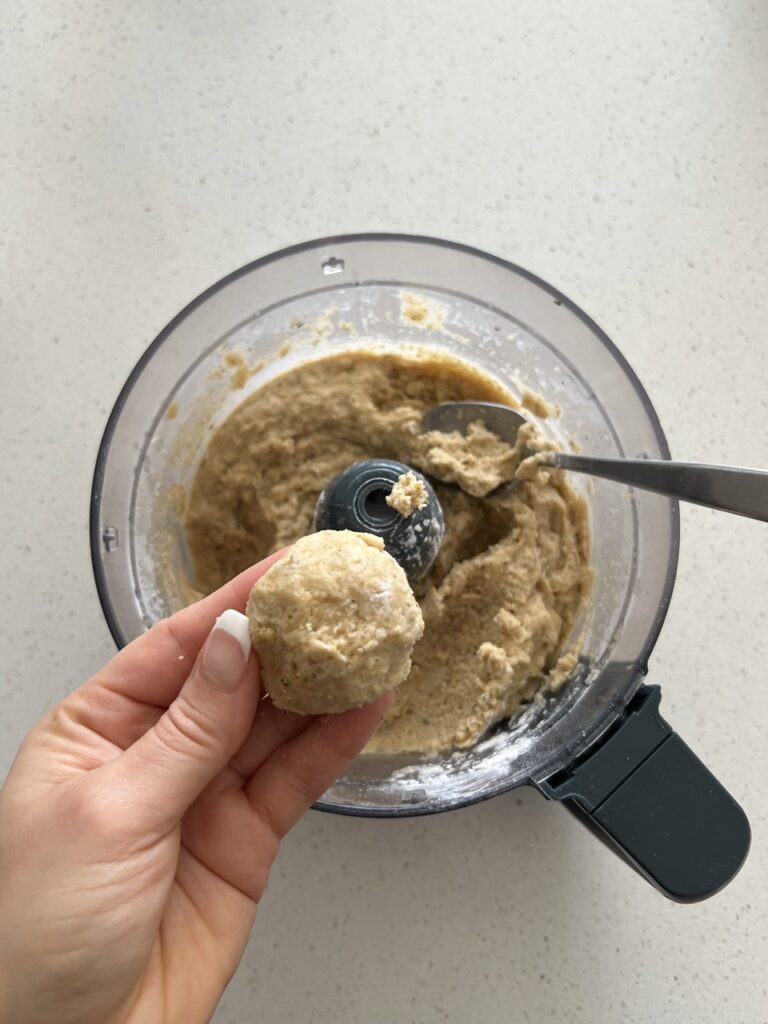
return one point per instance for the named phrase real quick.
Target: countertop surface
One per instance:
(620, 152)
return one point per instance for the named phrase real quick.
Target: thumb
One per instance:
(163, 772)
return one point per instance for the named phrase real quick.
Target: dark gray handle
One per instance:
(743, 491)
(652, 800)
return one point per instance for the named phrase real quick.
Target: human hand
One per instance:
(139, 822)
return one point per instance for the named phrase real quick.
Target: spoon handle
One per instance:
(743, 491)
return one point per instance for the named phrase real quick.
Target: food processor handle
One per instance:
(646, 794)
(728, 488)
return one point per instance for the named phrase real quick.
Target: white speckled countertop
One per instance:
(619, 151)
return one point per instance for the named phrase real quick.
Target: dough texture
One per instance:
(408, 495)
(503, 601)
(478, 462)
(334, 623)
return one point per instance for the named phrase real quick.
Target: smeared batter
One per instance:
(512, 575)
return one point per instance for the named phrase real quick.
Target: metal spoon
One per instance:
(728, 488)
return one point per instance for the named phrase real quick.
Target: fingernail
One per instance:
(226, 651)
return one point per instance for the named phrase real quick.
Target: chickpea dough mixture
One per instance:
(408, 495)
(334, 623)
(512, 576)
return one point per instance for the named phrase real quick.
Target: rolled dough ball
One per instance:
(334, 623)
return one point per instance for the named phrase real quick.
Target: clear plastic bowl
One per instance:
(346, 292)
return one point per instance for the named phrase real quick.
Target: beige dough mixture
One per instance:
(334, 622)
(512, 576)
(408, 495)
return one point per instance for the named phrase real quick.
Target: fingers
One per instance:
(296, 770)
(133, 690)
(301, 770)
(271, 728)
(162, 773)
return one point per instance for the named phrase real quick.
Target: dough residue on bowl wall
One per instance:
(422, 311)
(240, 369)
(512, 577)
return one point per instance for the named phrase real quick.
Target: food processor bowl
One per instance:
(352, 292)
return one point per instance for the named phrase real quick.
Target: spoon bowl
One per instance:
(726, 488)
